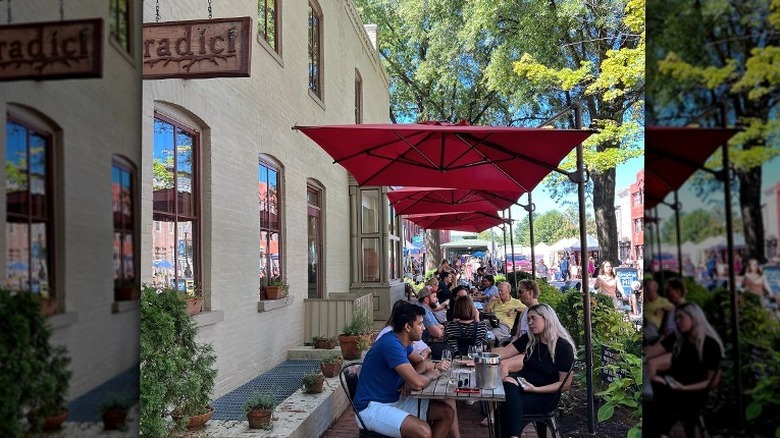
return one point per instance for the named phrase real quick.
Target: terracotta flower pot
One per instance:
(349, 348)
(316, 387)
(114, 419)
(325, 344)
(275, 292)
(50, 423)
(194, 306)
(258, 418)
(196, 421)
(330, 369)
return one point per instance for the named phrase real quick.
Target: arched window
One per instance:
(176, 201)
(315, 50)
(29, 228)
(269, 187)
(123, 177)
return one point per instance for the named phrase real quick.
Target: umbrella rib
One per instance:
(525, 157)
(401, 157)
(373, 148)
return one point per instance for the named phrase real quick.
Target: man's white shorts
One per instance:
(386, 418)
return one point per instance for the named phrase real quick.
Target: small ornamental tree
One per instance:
(176, 372)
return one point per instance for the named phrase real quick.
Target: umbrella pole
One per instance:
(732, 286)
(530, 209)
(512, 246)
(677, 226)
(585, 289)
(658, 245)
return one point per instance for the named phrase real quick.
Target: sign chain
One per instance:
(62, 10)
(8, 7)
(157, 11)
(209, 9)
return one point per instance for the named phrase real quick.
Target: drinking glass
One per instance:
(472, 351)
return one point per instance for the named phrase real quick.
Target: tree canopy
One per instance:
(510, 63)
(720, 52)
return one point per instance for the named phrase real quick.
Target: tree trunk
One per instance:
(432, 249)
(750, 206)
(604, 208)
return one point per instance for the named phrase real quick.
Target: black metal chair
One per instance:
(696, 421)
(546, 419)
(348, 377)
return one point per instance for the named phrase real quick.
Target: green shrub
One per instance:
(176, 372)
(359, 325)
(260, 400)
(115, 402)
(34, 374)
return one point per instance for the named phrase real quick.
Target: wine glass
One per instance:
(472, 352)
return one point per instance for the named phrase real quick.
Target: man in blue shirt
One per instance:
(433, 329)
(386, 378)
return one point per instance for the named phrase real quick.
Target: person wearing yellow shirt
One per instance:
(505, 308)
(655, 305)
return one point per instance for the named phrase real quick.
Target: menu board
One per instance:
(626, 277)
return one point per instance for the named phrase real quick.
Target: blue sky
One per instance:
(625, 176)
(770, 175)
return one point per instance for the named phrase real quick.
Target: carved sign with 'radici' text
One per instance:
(197, 48)
(52, 50)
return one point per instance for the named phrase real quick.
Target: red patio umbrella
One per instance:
(673, 154)
(424, 200)
(439, 155)
(476, 221)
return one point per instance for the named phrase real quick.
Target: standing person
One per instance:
(608, 283)
(543, 357)
(528, 293)
(505, 307)
(711, 266)
(591, 267)
(387, 375)
(755, 281)
(491, 270)
(565, 269)
(680, 392)
(541, 269)
(689, 269)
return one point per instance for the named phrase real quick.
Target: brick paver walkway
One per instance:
(468, 416)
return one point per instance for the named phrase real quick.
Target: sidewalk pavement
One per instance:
(469, 418)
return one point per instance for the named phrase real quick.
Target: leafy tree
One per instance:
(695, 226)
(552, 226)
(572, 51)
(704, 53)
(501, 62)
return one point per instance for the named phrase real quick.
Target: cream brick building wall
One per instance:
(91, 120)
(241, 118)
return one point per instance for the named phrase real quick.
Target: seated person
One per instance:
(464, 330)
(382, 392)
(543, 358)
(479, 275)
(461, 291)
(489, 289)
(505, 307)
(420, 347)
(681, 391)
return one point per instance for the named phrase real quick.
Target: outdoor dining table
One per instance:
(442, 389)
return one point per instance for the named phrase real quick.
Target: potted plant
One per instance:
(276, 289)
(48, 406)
(259, 408)
(324, 342)
(125, 289)
(313, 381)
(177, 374)
(193, 298)
(354, 331)
(331, 365)
(114, 409)
(34, 373)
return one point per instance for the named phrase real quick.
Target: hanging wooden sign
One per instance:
(52, 50)
(197, 48)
